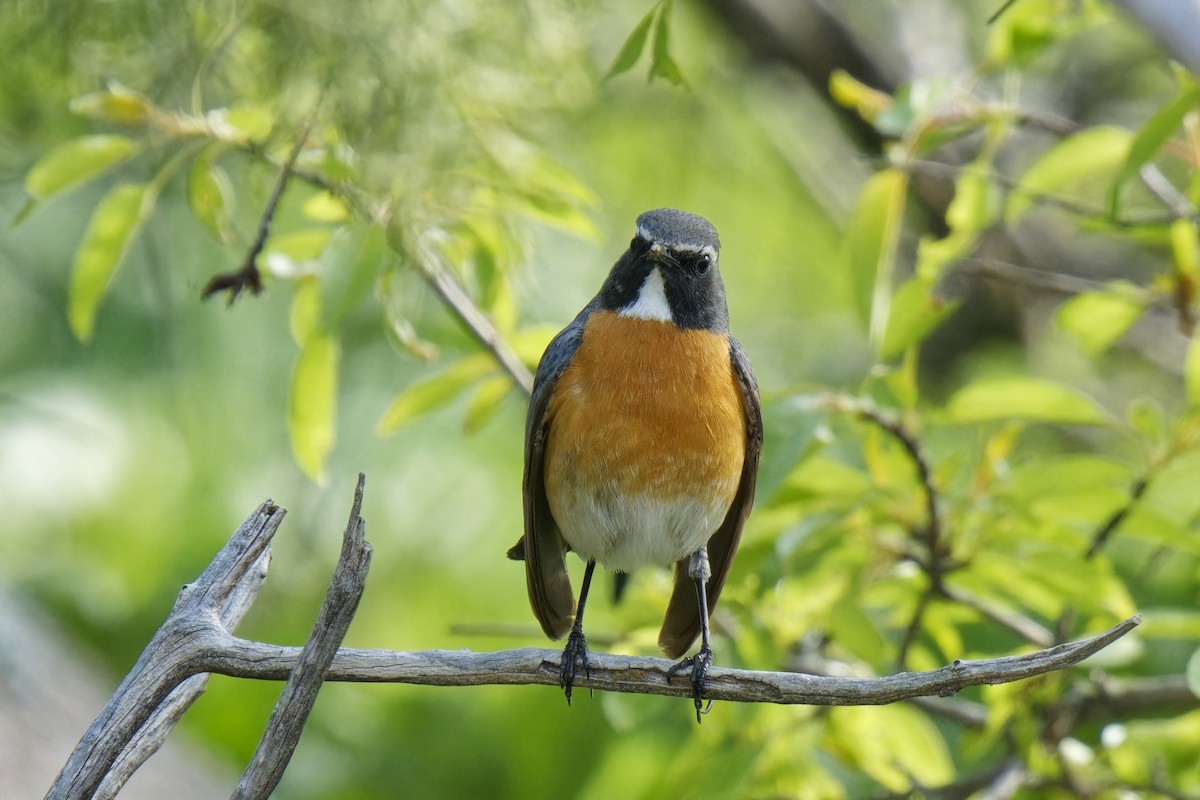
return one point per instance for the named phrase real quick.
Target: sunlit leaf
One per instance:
(969, 213)
(75, 162)
(117, 104)
(1098, 319)
(210, 196)
(870, 239)
(312, 403)
(631, 50)
(915, 312)
(896, 745)
(662, 65)
(993, 399)
(109, 233)
(485, 402)
(351, 282)
(1192, 671)
(1185, 248)
(1191, 369)
(302, 245)
(433, 393)
(324, 207)
(849, 92)
(305, 317)
(1150, 139)
(1089, 155)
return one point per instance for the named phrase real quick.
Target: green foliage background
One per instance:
(512, 145)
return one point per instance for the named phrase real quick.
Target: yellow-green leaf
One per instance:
(1191, 369)
(870, 245)
(1097, 319)
(104, 245)
(312, 405)
(485, 402)
(324, 207)
(305, 317)
(1185, 247)
(915, 312)
(633, 46)
(1091, 154)
(432, 393)
(116, 104)
(662, 65)
(993, 399)
(302, 245)
(210, 196)
(75, 162)
(1150, 139)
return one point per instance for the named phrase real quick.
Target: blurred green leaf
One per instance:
(1150, 139)
(305, 317)
(350, 283)
(1095, 320)
(312, 403)
(1185, 248)
(211, 197)
(631, 50)
(1193, 673)
(896, 745)
(302, 245)
(871, 238)
(1191, 370)
(116, 104)
(324, 207)
(105, 242)
(485, 402)
(969, 213)
(662, 65)
(916, 311)
(849, 92)
(994, 399)
(435, 392)
(75, 162)
(1092, 154)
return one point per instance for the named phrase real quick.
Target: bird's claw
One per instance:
(575, 651)
(698, 664)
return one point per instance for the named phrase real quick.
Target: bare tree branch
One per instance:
(287, 720)
(646, 675)
(222, 592)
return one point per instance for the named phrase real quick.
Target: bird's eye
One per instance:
(703, 263)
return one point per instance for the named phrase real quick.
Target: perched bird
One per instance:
(642, 441)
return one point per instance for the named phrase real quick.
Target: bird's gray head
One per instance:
(669, 273)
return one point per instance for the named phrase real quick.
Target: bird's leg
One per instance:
(700, 572)
(576, 648)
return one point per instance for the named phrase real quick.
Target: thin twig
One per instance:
(1115, 519)
(931, 532)
(249, 276)
(299, 695)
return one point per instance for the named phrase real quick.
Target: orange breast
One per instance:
(646, 442)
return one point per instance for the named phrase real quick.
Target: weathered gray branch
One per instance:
(305, 679)
(645, 675)
(221, 595)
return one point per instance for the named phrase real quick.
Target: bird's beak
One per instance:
(661, 255)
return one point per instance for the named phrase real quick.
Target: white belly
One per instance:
(627, 532)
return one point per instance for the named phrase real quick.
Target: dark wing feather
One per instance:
(682, 622)
(543, 547)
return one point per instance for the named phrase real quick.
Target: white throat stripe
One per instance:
(651, 302)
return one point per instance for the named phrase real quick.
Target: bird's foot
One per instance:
(698, 664)
(575, 652)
